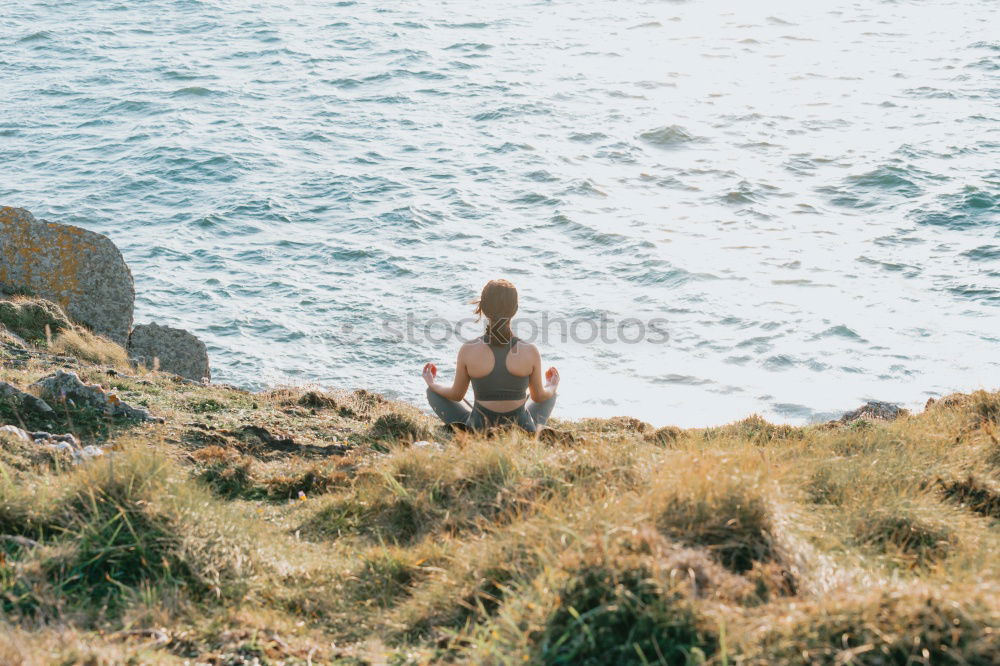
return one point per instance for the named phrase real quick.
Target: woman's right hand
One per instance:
(551, 379)
(430, 373)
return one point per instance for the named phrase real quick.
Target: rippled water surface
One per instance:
(808, 193)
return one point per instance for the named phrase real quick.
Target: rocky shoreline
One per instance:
(84, 273)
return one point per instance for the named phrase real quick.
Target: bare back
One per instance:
(478, 359)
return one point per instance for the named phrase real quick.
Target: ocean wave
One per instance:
(840, 331)
(668, 136)
(193, 91)
(39, 36)
(971, 207)
(984, 253)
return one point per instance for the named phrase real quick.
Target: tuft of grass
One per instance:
(317, 400)
(665, 436)
(620, 612)
(911, 626)
(230, 478)
(34, 319)
(973, 493)
(985, 408)
(133, 520)
(395, 427)
(90, 347)
(757, 430)
(712, 504)
(119, 528)
(612, 598)
(385, 575)
(203, 405)
(909, 533)
(472, 583)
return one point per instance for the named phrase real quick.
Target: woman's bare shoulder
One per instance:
(523, 347)
(471, 346)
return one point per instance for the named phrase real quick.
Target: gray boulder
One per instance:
(80, 270)
(170, 350)
(66, 387)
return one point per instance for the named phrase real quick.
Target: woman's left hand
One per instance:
(552, 379)
(430, 373)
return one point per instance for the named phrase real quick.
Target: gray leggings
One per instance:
(530, 416)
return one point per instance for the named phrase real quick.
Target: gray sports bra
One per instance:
(500, 384)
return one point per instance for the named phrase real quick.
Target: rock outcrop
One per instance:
(66, 387)
(80, 270)
(170, 350)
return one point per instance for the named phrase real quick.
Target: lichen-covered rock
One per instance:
(33, 319)
(80, 270)
(170, 350)
(66, 387)
(875, 411)
(19, 399)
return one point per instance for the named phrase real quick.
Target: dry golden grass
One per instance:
(300, 526)
(90, 347)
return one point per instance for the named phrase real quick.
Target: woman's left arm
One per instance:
(459, 387)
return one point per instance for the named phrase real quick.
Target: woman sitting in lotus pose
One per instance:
(502, 369)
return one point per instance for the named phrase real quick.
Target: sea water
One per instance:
(715, 207)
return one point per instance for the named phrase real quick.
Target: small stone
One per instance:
(68, 438)
(16, 432)
(171, 350)
(60, 446)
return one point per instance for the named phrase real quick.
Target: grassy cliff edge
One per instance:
(301, 526)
